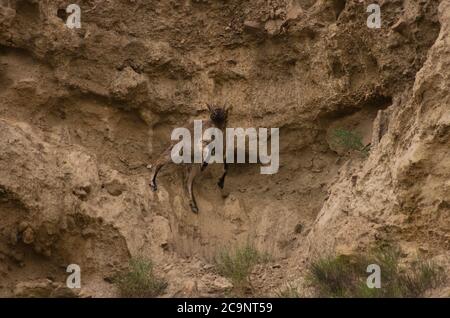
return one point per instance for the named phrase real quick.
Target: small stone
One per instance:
(279, 12)
(81, 193)
(115, 188)
(127, 83)
(273, 27)
(222, 284)
(23, 226)
(89, 232)
(208, 267)
(28, 236)
(190, 287)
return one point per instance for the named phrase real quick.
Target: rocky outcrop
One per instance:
(400, 193)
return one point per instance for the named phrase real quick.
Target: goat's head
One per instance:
(218, 114)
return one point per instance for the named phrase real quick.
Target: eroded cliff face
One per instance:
(84, 111)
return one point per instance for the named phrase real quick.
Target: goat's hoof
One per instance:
(220, 184)
(194, 209)
(153, 187)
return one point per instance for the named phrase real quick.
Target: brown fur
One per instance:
(218, 119)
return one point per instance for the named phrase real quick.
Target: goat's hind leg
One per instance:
(194, 170)
(163, 159)
(161, 162)
(221, 182)
(155, 170)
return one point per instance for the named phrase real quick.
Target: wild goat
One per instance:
(217, 119)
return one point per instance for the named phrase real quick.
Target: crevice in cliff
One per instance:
(339, 7)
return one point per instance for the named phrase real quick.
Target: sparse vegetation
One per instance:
(345, 276)
(425, 275)
(237, 265)
(349, 140)
(140, 281)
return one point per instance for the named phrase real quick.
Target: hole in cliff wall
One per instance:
(337, 68)
(352, 105)
(62, 14)
(354, 131)
(339, 6)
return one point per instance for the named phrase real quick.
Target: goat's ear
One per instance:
(228, 108)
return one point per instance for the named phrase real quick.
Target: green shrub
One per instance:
(140, 281)
(349, 141)
(424, 276)
(237, 265)
(334, 276)
(346, 276)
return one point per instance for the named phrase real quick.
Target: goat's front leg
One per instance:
(221, 182)
(209, 153)
(194, 170)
